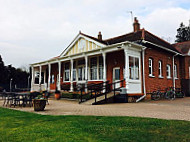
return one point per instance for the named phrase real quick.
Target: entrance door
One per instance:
(116, 76)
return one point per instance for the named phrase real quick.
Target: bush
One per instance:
(70, 95)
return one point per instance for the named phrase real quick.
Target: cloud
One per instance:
(33, 30)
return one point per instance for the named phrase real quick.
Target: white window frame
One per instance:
(150, 66)
(160, 69)
(168, 69)
(97, 68)
(175, 71)
(52, 81)
(134, 70)
(66, 71)
(36, 73)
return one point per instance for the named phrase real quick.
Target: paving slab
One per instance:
(178, 109)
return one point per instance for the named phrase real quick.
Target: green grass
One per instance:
(23, 126)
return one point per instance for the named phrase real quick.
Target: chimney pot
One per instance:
(136, 25)
(100, 36)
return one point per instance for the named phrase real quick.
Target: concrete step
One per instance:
(98, 99)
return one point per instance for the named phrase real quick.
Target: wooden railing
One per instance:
(96, 90)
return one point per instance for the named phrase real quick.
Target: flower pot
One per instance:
(39, 104)
(57, 96)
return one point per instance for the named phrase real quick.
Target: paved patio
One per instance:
(178, 109)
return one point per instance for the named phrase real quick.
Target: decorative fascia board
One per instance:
(76, 39)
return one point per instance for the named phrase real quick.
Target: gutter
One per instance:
(144, 41)
(143, 66)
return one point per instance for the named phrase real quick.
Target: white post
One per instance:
(49, 76)
(59, 76)
(86, 71)
(40, 78)
(104, 64)
(32, 79)
(126, 68)
(71, 87)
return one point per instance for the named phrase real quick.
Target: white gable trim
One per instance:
(76, 39)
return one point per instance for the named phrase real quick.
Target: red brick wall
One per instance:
(115, 59)
(187, 65)
(54, 71)
(153, 83)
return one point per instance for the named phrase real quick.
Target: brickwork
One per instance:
(153, 83)
(115, 59)
(54, 71)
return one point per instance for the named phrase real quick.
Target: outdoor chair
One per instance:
(8, 100)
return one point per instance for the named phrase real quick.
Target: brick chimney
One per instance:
(136, 25)
(100, 36)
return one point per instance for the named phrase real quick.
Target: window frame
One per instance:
(36, 73)
(66, 71)
(175, 71)
(150, 67)
(133, 69)
(99, 69)
(168, 71)
(160, 69)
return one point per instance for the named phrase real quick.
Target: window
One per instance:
(150, 64)
(175, 71)
(100, 67)
(42, 77)
(168, 71)
(67, 72)
(93, 68)
(160, 68)
(36, 77)
(81, 70)
(74, 71)
(52, 79)
(133, 68)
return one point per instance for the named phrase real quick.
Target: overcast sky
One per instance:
(36, 30)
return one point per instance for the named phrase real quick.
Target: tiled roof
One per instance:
(182, 47)
(136, 37)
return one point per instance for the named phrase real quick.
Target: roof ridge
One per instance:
(159, 38)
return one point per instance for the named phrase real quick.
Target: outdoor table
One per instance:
(25, 97)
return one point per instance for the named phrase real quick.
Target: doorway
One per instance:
(116, 76)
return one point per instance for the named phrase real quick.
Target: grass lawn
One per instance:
(24, 126)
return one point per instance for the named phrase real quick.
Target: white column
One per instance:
(49, 76)
(104, 64)
(40, 78)
(126, 68)
(86, 71)
(71, 77)
(59, 76)
(32, 80)
(86, 68)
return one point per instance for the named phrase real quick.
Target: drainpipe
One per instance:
(143, 68)
(173, 69)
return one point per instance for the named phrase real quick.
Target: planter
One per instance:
(57, 96)
(39, 104)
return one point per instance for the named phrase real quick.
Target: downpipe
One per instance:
(144, 87)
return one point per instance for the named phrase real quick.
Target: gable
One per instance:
(82, 44)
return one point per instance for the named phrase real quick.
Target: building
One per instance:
(145, 61)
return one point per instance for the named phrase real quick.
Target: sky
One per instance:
(35, 30)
